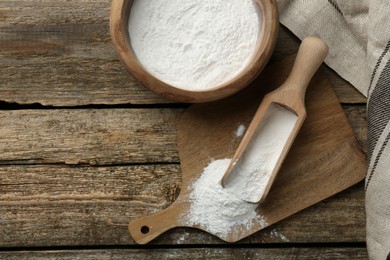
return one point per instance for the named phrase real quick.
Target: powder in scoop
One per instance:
(194, 44)
(224, 211)
(252, 171)
(216, 209)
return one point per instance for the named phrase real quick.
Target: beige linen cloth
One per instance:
(358, 35)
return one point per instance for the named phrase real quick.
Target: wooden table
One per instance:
(84, 149)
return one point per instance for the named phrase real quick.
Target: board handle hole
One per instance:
(145, 229)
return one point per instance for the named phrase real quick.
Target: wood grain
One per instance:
(90, 195)
(357, 117)
(60, 52)
(194, 253)
(104, 136)
(74, 206)
(89, 136)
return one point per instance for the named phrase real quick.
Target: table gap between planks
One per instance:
(84, 149)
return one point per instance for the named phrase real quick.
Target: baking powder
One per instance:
(224, 211)
(216, 209)
(252, 172)
(240, 131)
(194, 44)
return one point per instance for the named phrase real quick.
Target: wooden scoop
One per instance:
(290, 96)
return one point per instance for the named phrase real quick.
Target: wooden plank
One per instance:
(78, 206)
(64, 205)
(103, 136)
(194, 253)
(87, 136)
(60, 53)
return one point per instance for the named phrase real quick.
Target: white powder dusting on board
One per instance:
(217, 209)
(194, 44)
(240, 131)
(251, 173)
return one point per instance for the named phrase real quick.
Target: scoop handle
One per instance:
(311, 54)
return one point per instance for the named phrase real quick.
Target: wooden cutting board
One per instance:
(324, 159)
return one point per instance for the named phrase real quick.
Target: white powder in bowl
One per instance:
(194, 44)
(216, 209)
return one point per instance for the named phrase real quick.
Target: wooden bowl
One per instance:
(120, 11)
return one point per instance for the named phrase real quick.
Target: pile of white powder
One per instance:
(194, 44)
(216, 209)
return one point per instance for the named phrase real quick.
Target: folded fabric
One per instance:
(358, 35)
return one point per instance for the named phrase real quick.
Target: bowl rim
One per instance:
(119, 17)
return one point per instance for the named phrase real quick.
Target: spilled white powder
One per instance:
(240, 131)
(251, 173)
(194, 44)
(276, 234)
(183, 237)
(217, 209)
